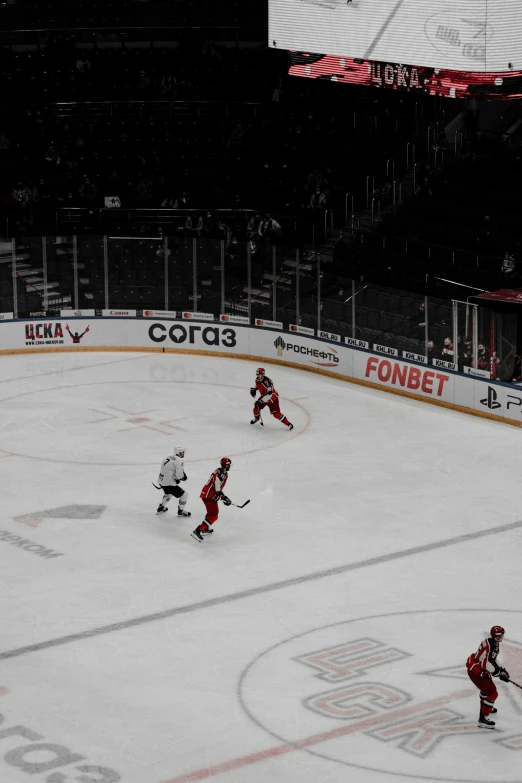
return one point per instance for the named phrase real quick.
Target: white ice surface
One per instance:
(205, 692)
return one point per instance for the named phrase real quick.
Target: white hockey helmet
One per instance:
(179, 451)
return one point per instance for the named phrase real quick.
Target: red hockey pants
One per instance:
(274, 409)
(212, 510)
(488, 691)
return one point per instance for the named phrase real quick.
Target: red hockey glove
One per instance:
(504, 676)
(226, 500)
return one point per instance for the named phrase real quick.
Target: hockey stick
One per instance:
(515, 683)
(154, 485)
(246, 504)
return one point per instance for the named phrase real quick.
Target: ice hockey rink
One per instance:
(320, 635)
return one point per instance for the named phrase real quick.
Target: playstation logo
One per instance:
(512, 400)
(491, 399)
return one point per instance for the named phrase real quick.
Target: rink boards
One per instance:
(436, 385)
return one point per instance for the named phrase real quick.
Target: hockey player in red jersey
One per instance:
(482, 666)
(210, 494)
(267, 397)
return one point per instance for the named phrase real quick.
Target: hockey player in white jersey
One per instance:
(172, 472)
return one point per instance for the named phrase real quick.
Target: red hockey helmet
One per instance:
(226, 463)
(260, 372)
(497, 632)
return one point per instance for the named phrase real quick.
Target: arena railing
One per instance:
(250, 282)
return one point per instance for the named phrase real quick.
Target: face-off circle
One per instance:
(84, 423)
(383, 693)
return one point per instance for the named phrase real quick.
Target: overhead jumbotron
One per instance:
(465, 35)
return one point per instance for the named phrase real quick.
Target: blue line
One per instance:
(254, 591)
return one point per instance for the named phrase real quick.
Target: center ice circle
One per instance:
(386, 688)
(88, 423)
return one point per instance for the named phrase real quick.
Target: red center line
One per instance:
(280, 750)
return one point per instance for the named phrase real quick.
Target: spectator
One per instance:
(317, 199)
(383, 192)
(466, 352)
(432, 351)
(160, 252)
(170, 203)
(187, 228)
(169, 87)
(52, 156)
(237, 135)
(209, 50)
(269, 229)
(33, 193)
(234, 250)
(67, 199)
(482, 357)
(143, 82)
(144, 190)
(209, 224)
(509, 272)
(21, 195)
(448, 352)
(223, 231)
(253, 226)
(313, 179)
(83, 65)
(277, 93)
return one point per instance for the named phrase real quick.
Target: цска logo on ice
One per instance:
(330, 355)
(386, 693)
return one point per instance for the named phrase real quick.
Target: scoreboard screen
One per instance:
(460, 35)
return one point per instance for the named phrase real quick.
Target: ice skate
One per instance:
(197, 534)
(161, 510)
(290, 425)
(183, 513)
(485, 723)
(257, 419)
(207, 532)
